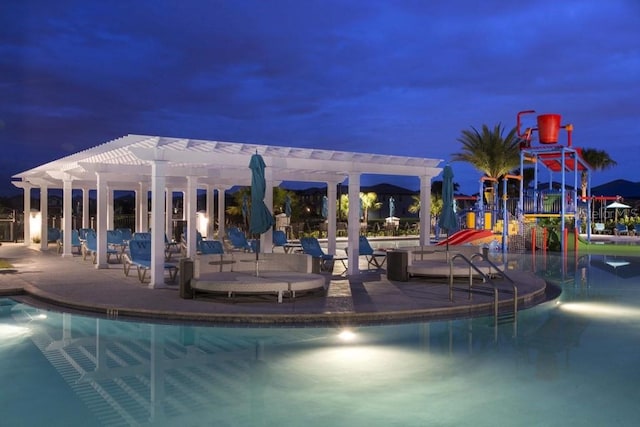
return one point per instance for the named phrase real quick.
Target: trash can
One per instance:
(186, 274)
(397, 266)
(316, 265)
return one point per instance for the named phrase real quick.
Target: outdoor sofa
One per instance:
(238, 273)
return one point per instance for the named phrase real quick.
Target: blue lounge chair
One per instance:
(621, 229)
(141, 236)
(170, 247)
(208, 247)
(125, 233)
(280, 240)
(140, 257)
(239, 241)
(75, 241)
(116, 242)
(82, 233)
(374, 257)
(311, 246)
(53, 234)
(90, 247)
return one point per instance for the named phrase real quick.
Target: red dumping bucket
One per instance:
(549, 128)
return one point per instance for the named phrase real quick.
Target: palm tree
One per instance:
(597, 160)
(490, 152)
(436, 205)
(369, 202)
(344, 207)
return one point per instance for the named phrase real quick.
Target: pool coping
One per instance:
(373, 299)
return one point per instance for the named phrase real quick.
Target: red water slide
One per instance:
(465, 236)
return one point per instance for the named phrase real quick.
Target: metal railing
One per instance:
(485, 279)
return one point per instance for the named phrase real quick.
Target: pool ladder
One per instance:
(497, 318)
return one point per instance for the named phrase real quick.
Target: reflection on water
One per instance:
(458, 372)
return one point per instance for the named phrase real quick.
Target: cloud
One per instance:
(392, 77)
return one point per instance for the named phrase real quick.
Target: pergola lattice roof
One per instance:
(129, 159)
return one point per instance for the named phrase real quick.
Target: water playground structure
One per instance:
(558, 200)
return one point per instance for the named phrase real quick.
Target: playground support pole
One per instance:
(563, 203)
(505, 216)
(533, 240)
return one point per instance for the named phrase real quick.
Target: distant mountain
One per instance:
(618, 187)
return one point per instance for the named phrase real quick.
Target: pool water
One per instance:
(568, 362)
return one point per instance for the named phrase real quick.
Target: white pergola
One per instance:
(162, 165)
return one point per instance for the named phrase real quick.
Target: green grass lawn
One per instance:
(585, 247)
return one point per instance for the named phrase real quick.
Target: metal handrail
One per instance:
(485, 279)
(491, 264)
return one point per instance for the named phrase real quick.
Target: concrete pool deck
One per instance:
(70, 283)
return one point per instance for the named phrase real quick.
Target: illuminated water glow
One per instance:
(573, 361)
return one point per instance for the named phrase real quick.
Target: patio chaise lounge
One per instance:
(210, 247)
(75, 241)
(90, 247)
(239, 240)
(621, 229)
(311, 246)
(280, 240)
(139, 256)
(375, 258)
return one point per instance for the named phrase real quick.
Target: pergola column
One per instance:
(85, 208)
(190, 208)
(110, 208)
(44, 214)
(210, 211)
(354, 224)
(142, 213)
(332, 208)
(27, 212)
(221, 216)
(266, 239)
(101, 227)
(425, 210)
(168, 210)
(158, 184)
(67, 213)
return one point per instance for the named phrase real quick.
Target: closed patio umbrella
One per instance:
(261, 219)
(325, 207)
(287, 206)
(392, 207)
(448, 220)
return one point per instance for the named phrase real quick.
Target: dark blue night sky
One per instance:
(392, 77)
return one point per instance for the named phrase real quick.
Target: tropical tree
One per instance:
(436, 205)
(236, 208)
(489, 151)
(344, 207)
(279, 195)
(369, 201)
(597, 160)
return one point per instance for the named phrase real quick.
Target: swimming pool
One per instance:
(573, 361)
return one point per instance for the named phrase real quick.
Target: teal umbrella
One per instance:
(448, 220)
(325, 207)
(392, 207)
(287, 206)
(261, 219)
